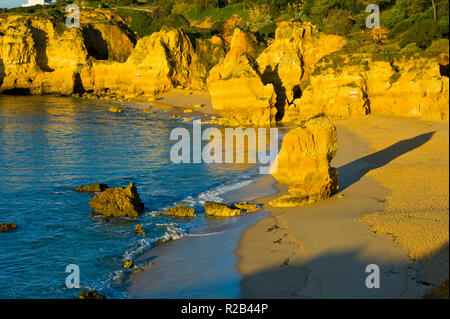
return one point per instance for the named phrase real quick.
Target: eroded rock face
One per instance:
(181, 211)
(118, 202)
(220, 210)
(303, 163)
(236, 87)
(344, 87)
(289, 59)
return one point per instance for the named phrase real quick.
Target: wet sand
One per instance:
(322, 250)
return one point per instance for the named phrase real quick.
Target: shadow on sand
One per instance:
(352, 172)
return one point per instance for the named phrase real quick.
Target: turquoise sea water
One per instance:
(50, 145)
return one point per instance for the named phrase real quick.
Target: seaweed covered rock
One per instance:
(303, 163)
(7, 227)
(90, 295)
(220, 210)
(93, 188)
(181, 211)
(118, 202)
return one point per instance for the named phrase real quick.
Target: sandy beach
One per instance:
(392, 211)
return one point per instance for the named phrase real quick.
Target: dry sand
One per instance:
(393, 176)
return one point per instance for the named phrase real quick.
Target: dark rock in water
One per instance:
(7, 227)
(182, 211)
(220, 210)
(246, 207)
(93, 188)
(90, 295)
(139, 230)
(118, 202)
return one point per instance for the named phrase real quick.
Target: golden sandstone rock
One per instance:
(287, 61)
(118, 202)
(246, 207)
(90, 295)
(220, 210)
(129, 264)
(236, 87)
(304, 163)
(115, 109)
(181, 211)
(291, 80)
(138, 230)
(340, 87)
(7, 227)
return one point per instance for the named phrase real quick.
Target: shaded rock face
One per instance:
(220, 210)
(181, 211)
(93, 188)
(237, 89)
(118, 202)
(7, 227)
(303, 163)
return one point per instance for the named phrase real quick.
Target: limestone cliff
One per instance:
(343, 86)
(236, 87)
(289, 59)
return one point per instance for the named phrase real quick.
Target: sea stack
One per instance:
(304, 163)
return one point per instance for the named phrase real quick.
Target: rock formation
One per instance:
(181, 211)
(236, 87)
(7, 227)
(118, 202)
(93, 188)
(303, 163)
(220, 210)
(343, 86)
(289, 59)
(246, 207)
(90, 295)
(138, 230)
(302, 73)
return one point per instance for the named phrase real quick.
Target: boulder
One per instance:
(303, 163)
(7, 227)
(129, 264)
(115, 109)
(93, 188)
(90, 295)
(138, 230)
(118, 202)
(220, 210)
(246, 207)
(181, 211)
